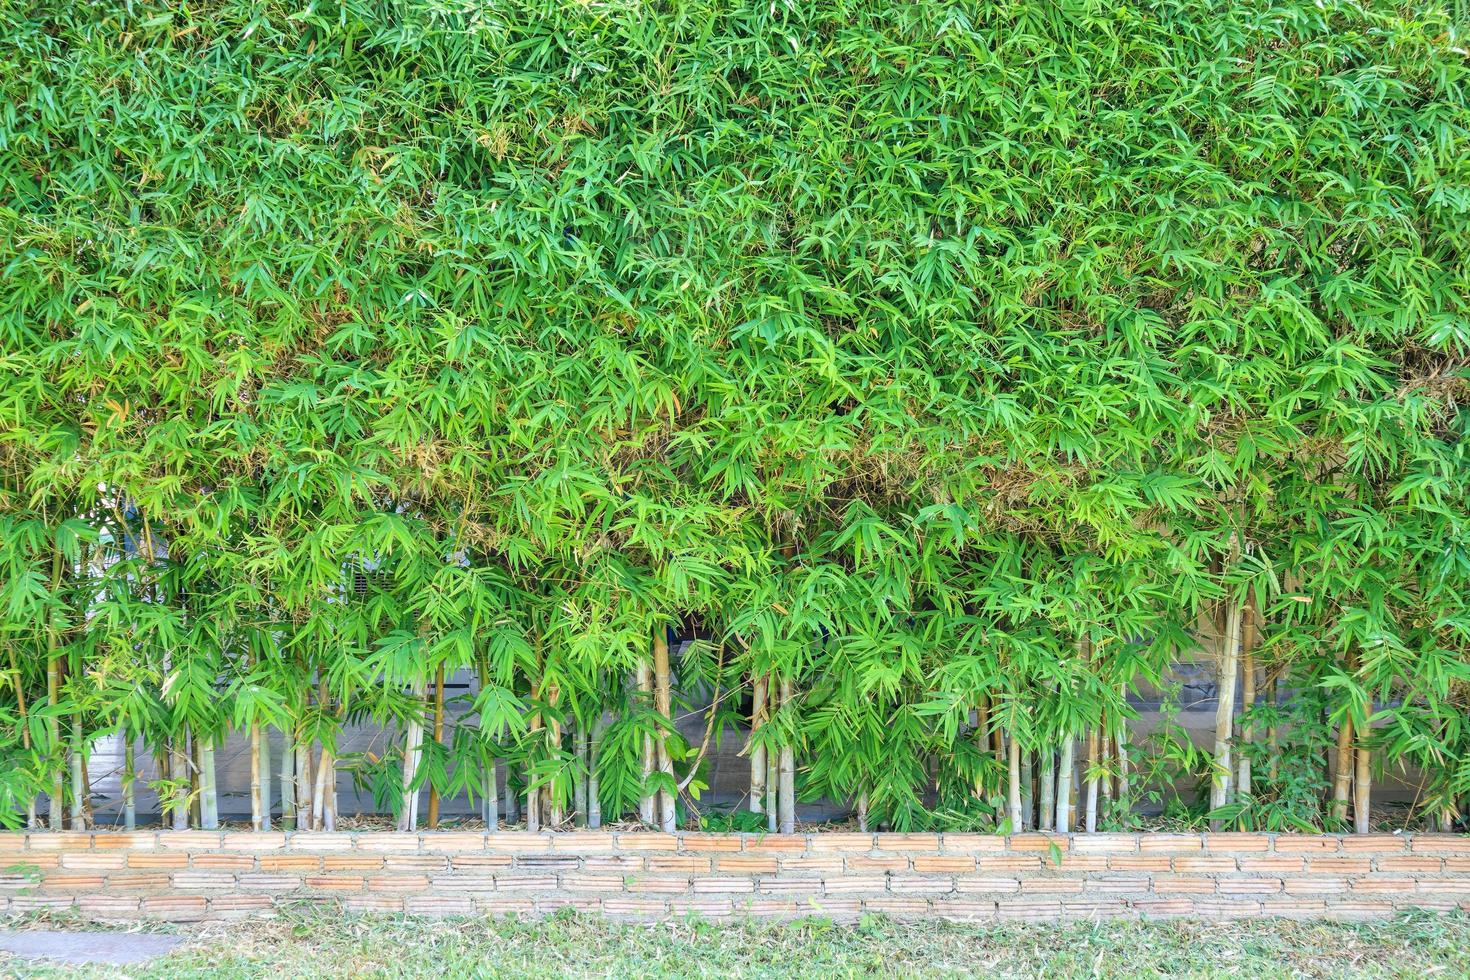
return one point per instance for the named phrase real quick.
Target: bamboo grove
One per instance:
(948, 371)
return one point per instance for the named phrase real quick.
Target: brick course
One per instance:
(192, 875)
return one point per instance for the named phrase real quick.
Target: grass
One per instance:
(320, 945)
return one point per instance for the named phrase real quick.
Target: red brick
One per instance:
(229, 905)
(125, 841)
(1374, 844)
(745, 864)
(591, 883)
(1236, 843)
(352, 862)
(584, 842)
(1010, 862)
(1339, 865)
(1416, 862)
(1028, 910)
(504, 905)
(1051, 886)
(1161, 907)
(987, 885)
(190, 840)
(897, 907)
(1316, 886)
(416, 862)
(1150, 862)
(1440, 844)
(270, 883)
(301, 863)
(964, 909)
(480, 862)
(881, 863)
(1306, 844)
(1171, 843)
(680, 862)
(657, 885)
(947, 864)
(373, 903)
(398, 883)
(108, 906)
(777, 844)
(722, 886)
(336, 883)
(223, 862)
(908, 842)
(317, 842)
(438, 905)
(1249, 886)
(445, 843)
(201, 880)
(1039, 842)
(647, 842)
(254, 840)
(972, 844)
(1204, 865)
(904, 885)
(1184, 885)
(1105, 844)
(717, 907)
(391, 843)
(628, 905)
(93, 861)
(149, 860)
(704, 843)
(175, 908)
(525, 883)
(826, 864)
(1273, 865)
(821, 843)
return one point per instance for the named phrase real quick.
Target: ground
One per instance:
(574, 946)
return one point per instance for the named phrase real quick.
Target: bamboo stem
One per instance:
(1248, 701)
(129, 791)
(594, 786)
(579, 775)
(663, 704)
(773, 760)
(288, 780)
(208, 792)
(413, 747)
(53, 699)
(1363, 788)
(787, 768)
(1048, 804)
(438, 740)
(1013, 802)
(1091, 778)
(1220, 782)
(1028, 792)
(1064, 788)
(757, 749)
(258, 773)
(649, 801)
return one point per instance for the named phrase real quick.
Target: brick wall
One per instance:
(198, 874)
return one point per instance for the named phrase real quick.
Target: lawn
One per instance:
(568, 945)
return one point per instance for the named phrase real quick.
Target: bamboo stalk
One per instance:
(304, 793)
(413, 747)
(663, 704)
(1273, 739)
(53, 699)
(1343, 776)
(1047, 807)
(773, 760)
(555, 809)
(129, 791)
(319, 790)
(208, 793)
(258, 773)
(265, 777)
(179, 767)
(787, 768)
(1013, 802)
(649, 801)
(1363, 788)
(1064, 788)
(594, 787)
(579, 775)
(1122, 748)
(288, 780)
(1028, 792)
(1090, 777)
(438, 740)
(25, 725)
(1248, 701)
(78, 760)
(757, 750)
(1221, 782)
(328, 768)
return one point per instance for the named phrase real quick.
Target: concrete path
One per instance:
(88, 947)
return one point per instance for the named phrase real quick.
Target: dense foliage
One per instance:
(948, 369)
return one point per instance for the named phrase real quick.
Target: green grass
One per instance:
(336, 946)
